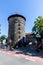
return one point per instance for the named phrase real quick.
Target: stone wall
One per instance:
(16, 29)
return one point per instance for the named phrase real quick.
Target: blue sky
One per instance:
(30, 9)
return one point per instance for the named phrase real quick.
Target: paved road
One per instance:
(11, 58)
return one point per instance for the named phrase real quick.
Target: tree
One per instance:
(3, 37)
(38, 27)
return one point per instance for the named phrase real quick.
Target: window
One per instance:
(19, 36)
(18, 24)
(19, 28)
(19, 32)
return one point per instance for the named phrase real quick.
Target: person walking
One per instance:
(10, 44)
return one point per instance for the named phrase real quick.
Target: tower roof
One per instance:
(16, 15)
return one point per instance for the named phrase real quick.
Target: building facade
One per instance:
(16, 30)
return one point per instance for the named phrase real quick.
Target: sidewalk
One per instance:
(26, 51)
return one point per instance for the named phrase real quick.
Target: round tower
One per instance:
(16, 30)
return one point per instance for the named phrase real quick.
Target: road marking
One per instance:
(30, 59)
(16, 55)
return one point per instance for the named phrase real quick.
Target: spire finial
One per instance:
(16, 13)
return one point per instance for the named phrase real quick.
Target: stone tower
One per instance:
(16, 30)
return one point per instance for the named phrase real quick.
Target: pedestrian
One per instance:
(10, 44)
(6, 43)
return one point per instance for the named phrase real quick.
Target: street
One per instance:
(6, 59)
(17, 58)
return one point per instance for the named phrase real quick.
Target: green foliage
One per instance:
(3, 37)
(38, 26)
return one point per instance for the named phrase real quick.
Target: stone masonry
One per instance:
(16, 30)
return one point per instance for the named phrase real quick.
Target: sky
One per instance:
(30, 9)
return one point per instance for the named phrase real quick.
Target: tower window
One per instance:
(18, 24)
(19, 32)
(19, 28)
(19, 36)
